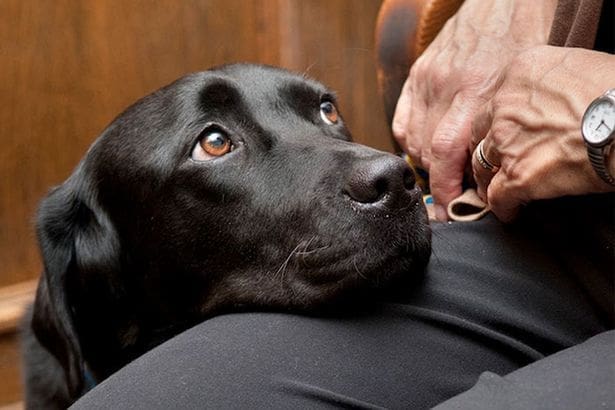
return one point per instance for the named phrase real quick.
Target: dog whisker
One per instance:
(308, 243)
(307, 251)
(282, 269)
(357, 270)
(321, 248)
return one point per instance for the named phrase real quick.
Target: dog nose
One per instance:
(380, 180)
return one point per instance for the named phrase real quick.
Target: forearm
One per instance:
(526, 22)
(533, 20)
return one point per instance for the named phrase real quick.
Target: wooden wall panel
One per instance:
(69, 66)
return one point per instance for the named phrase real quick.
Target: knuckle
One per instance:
(406, 140)
(417, 71)
(428, 72)
(517, 177)
(438, 81)
(500, 130)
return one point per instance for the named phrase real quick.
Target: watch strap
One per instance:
(598, 159)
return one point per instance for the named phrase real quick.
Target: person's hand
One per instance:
(532, 128)
(453, 79)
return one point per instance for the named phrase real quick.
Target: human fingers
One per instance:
(401, 118)
(408, 119)
(485, 165)
(449, 150)
(485, 159)
(481, 124)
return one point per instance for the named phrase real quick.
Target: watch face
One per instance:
(599, 121)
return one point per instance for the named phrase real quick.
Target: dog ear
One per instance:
(76, 239)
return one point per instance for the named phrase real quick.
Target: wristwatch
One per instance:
(598, 129)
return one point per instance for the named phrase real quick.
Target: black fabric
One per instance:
(495, 299)
(581, 377)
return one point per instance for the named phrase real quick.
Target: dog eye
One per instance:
(328, 112)
(213, 143)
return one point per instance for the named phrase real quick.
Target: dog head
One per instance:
(231, 189)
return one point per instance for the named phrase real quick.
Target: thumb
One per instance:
(504, 198)
(449, 150)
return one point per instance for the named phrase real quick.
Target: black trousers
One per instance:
(496, 305)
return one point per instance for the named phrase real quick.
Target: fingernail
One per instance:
(441, 214)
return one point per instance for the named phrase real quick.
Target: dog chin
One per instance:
(374, 269)
(391, 250)
(351, 290)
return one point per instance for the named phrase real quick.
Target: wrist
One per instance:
(533, 21)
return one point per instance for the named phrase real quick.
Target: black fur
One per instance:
(142, 241)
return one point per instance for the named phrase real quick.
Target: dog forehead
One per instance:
(154, 133)
(260, 85)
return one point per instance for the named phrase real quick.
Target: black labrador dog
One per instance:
(232, 189)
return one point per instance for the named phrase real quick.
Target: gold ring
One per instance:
(482, 160)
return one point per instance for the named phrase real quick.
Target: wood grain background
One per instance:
(67, 67)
